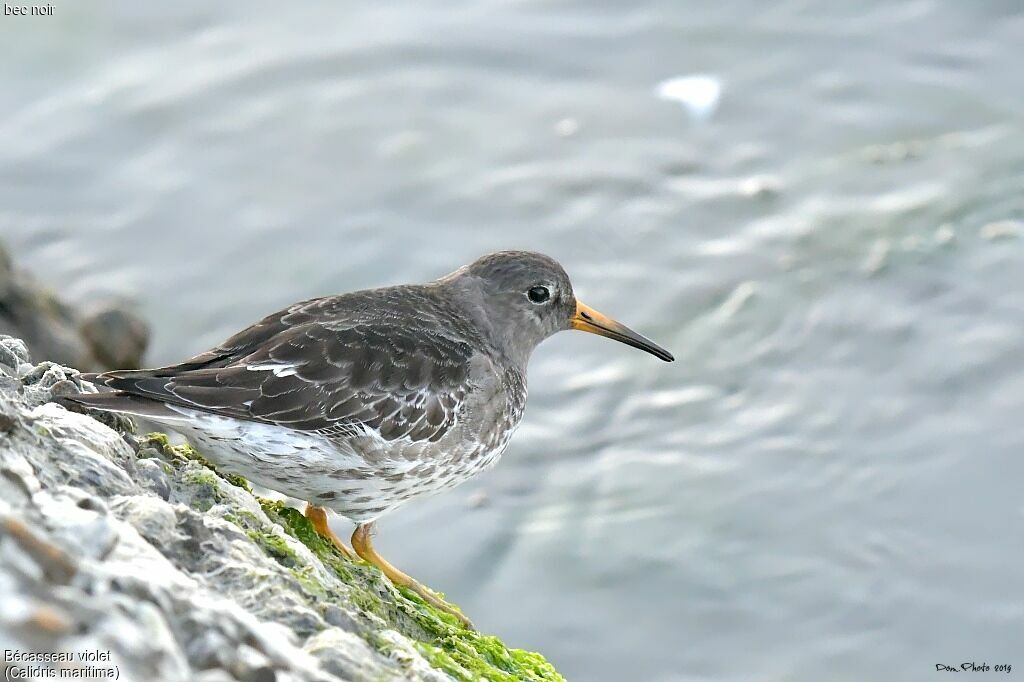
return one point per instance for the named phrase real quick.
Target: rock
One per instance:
(117, 337)
(341, 653)
(13, 354)
(113, 542)
(110, 337)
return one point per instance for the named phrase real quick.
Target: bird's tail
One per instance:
(125, 403)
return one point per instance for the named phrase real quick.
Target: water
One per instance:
(824, 486)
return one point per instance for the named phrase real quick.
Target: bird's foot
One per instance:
(318, 517)
(364, 548)
(432, 598)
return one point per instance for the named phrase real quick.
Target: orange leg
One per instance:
(318, 517)
(364, 548)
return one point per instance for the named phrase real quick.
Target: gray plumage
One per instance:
(361, 401)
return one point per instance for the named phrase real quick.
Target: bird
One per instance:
(360, 402)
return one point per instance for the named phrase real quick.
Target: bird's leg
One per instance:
(364, 548)
(318, 517)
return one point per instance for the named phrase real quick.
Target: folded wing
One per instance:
(314, 377)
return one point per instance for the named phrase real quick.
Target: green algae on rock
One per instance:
(165, 543)
(439, 637)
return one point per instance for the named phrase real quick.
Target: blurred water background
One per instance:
(823, 223)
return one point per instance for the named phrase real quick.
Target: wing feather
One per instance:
(310, 377)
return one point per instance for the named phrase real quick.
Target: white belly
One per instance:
(324, 472)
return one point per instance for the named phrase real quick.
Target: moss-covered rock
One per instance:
(437, 636)
(161, 542)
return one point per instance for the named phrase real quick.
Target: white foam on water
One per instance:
(698, 93)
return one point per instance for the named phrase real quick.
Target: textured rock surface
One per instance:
(107, 337)
(112, 542)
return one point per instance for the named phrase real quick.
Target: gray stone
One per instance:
(112, 336)
(13, 353)
(154, 478)
(119, 543)
(117, 336)
(343, 654)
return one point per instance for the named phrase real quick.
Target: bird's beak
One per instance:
(587, 319)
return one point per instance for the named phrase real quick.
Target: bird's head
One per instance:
(526, 297)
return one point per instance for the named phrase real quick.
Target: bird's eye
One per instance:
(538, 294)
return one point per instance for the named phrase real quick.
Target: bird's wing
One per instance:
(316, 377)
(251, 339)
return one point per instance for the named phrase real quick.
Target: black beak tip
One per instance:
(663, 354)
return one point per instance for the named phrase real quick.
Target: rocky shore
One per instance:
(121, 551)
(109, 335)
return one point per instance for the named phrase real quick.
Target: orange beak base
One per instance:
(589, 320)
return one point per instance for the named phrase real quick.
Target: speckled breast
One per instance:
(357, 473)
(395, 472)
(486, 425)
